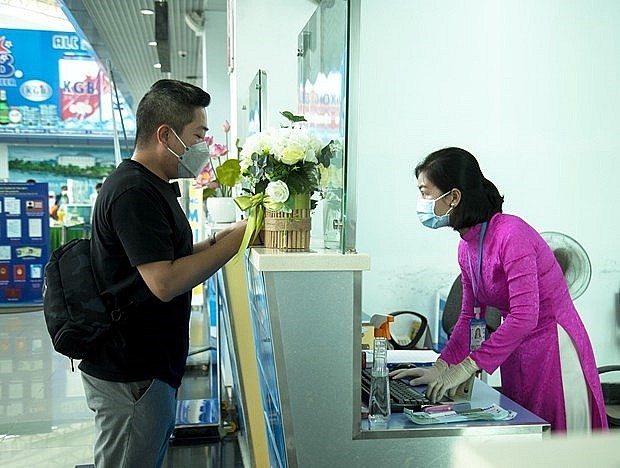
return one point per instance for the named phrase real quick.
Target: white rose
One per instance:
(277, 191)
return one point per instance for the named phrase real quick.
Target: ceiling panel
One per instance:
(119, 33)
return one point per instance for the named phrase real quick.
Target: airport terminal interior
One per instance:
(278, 340)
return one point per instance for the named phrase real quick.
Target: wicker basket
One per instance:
(289, 231)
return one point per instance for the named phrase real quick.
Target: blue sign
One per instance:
(55, 86)
(24, 242)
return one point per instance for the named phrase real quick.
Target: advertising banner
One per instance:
(51, 84)
(196, 217)
(24, 242)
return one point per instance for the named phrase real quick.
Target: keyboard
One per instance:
(402, 395)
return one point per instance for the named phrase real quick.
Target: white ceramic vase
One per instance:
(221, 210)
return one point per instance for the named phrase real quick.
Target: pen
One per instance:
(438, 408)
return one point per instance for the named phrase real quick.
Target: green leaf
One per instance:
(261, 186)
(325, 155)
(292, 117)
(259, 159)
(208, 192)
(302, 178)
(229, 173)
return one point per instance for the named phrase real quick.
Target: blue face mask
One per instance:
(426, 213)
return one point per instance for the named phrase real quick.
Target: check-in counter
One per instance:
(306, 317)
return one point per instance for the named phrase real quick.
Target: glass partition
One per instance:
(322, 89)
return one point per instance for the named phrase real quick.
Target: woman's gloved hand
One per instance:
(449, 380)
(421, 375)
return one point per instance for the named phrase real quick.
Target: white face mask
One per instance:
(193, 160)
(426, 213)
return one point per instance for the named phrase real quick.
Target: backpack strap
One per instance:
(125, 295)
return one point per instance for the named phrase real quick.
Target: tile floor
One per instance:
(44, 420)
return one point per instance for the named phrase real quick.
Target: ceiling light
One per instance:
(153, 43)
(157, 65)
(146, 11)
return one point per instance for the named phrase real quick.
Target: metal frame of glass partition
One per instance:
(351, 96)
(258, 115)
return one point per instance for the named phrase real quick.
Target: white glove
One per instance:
(421, 375)
(451, 379)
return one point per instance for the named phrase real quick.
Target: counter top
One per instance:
(525, 422)
(317, 258)
(264, 259)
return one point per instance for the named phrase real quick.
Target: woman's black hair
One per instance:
(451, 168)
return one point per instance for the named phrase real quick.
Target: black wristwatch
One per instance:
(212, 239)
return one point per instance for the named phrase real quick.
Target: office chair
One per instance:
(452, 310)
(611, 396)
(410, 330)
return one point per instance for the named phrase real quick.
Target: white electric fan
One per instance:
(573, 260)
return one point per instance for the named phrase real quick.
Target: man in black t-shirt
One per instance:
(142, 237)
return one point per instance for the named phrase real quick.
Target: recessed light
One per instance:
(157, 65)
(153, 43)
(146, 11)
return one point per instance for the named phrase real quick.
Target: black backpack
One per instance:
(78, 317)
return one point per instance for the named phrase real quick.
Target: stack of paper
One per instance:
(490, 413)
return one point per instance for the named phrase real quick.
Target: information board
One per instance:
(24, 242)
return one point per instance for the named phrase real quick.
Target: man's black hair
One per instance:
(169, 102)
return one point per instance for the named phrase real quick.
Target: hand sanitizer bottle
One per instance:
(379, 410)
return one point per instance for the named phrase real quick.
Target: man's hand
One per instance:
(451, 379)
(258, 240)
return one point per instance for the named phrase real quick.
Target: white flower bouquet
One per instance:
(280, 168)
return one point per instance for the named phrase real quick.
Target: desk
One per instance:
(306, 317)
(525, 422)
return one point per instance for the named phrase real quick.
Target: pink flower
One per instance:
(217, 151)
(206, 178)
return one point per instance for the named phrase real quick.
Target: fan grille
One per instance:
(573, 260)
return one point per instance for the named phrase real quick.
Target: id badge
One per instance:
(477, 333)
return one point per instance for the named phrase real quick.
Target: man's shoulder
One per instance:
(126, 169)
(128, 175)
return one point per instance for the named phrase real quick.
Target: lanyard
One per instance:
(476, 279)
